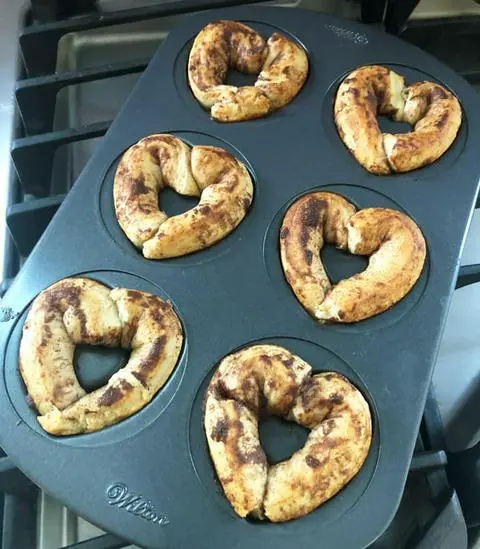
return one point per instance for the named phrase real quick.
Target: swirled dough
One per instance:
(270, 380)
(433, 112)
(282, 66)
(80, 310)
(393, 242)
(222, 183)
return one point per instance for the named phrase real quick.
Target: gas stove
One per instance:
(74, 71)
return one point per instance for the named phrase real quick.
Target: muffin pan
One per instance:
(149, 478)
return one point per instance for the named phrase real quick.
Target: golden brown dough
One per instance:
(393, 241)
(435, 115)
(284, 71)
(433, 112)
(232, 405)
(69, 312)
(268, 379)
(222, 182)
(335, 450)
(241, 464)
(282, 64)
(155, 162)
(311, 221)
(80, 310)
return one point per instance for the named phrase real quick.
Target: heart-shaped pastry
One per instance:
(270, 380)
(222, 182)
(282, 66)
(80, 310)
(393, 242)
(433, 112)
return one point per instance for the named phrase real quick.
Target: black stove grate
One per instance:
(31, 205)
(107, 541)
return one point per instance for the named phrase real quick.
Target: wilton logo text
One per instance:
(118, 494)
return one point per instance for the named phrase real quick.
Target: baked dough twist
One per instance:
(282, 64)
(433, 112)
(80, 310)
(223, 184)
(270, 380)
(393, 241)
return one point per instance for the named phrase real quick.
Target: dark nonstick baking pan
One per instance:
(149, 478)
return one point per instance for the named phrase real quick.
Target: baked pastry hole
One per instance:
(340, 264)
(172, 203)
(387, 125)
(239, 79)
(280, 438)
(94, 364)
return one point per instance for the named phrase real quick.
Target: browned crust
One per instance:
(393, 241)
(282, 64)
(284, 72)
(338, 445)
(77, 310)
(434, 113)
(155, 162)
(397, 251)
(60, 317)
(308, 223)
(222, 182)
(267, 379)
(436, 116)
